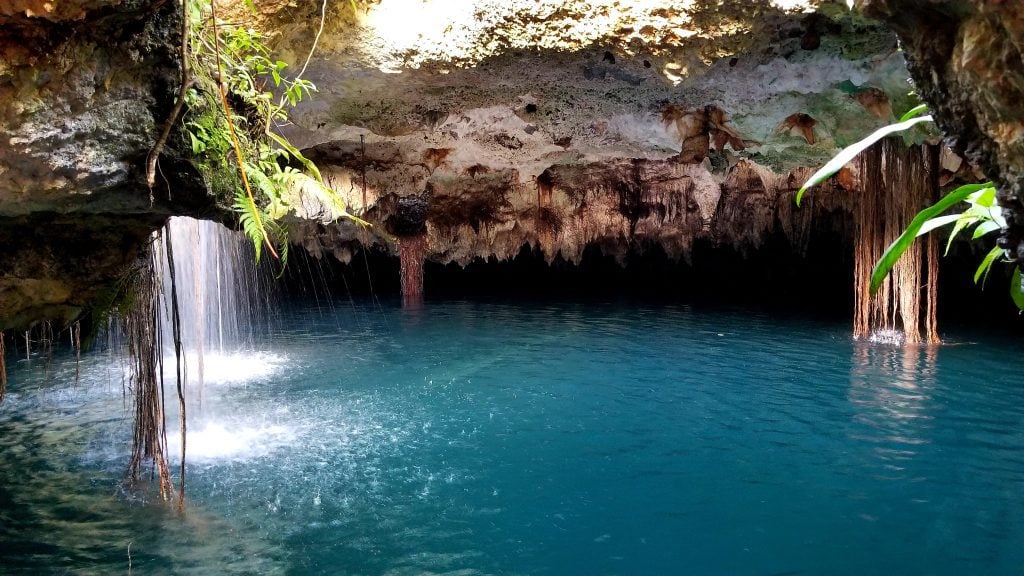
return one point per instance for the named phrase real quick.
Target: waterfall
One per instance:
(198, 293)
(224, 296)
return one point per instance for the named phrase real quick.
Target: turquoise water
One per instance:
(487, 439)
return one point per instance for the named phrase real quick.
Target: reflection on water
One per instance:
(890, 387)
(485, 439)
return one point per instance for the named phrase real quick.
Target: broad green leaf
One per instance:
(1016, 291)
(986, 197)
(900, 245)
(915, 111)
(986, 264)
(851, 151)
(985, 228)
(939, 222)
(251, 6)
(297, 155)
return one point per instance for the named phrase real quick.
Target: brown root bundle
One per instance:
(896, 183)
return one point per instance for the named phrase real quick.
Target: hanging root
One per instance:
(186, 82)
(896, 183)
(142, 329)
(76, 340)
(176, 334)
(235, 145)
(3, 367)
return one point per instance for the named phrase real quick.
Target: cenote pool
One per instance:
(472, 438)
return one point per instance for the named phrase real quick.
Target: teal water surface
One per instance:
(470, 438)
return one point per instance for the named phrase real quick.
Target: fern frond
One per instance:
(249, 218)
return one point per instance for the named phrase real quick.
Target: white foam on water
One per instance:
(887, 336)
(215, 441)
(236, 368)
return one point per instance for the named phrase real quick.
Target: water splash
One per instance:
(224, 300)
(217, 441)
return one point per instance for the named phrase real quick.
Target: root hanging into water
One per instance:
(142, 331)
(3, 367)
(931, 320)
(76, 342)
(176, 335)
(896, 183)
(411, 252)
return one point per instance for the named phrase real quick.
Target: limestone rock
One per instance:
(966, 60)
(85, 84)
(589, 122)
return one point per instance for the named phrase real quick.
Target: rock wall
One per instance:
(966, 60)
(85, 86)
(554, 124)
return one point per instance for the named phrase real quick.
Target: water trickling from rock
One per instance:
(223, 295)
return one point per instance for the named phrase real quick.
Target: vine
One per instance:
(239, 96)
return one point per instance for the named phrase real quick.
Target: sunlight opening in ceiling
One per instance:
(413, 32)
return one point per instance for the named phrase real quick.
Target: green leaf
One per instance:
(962, 222)
(1016, 291)
(283, 143)
(985, 228)
(851, 151)
(986, 264)
(900, 245)
(939, 222)
(985, 197)
(197, 146)
(915, 111)
(248, 216)
(251, 6)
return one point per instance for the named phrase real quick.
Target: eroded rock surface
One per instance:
(966, 60)
(567, 124)
(85, 85)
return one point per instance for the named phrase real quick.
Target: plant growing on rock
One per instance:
(239, 95)
(982, 212)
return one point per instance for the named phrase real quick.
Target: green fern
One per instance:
(211, 129)
(249, 217)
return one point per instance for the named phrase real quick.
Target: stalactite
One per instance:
(411, 252)
(896, 183)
